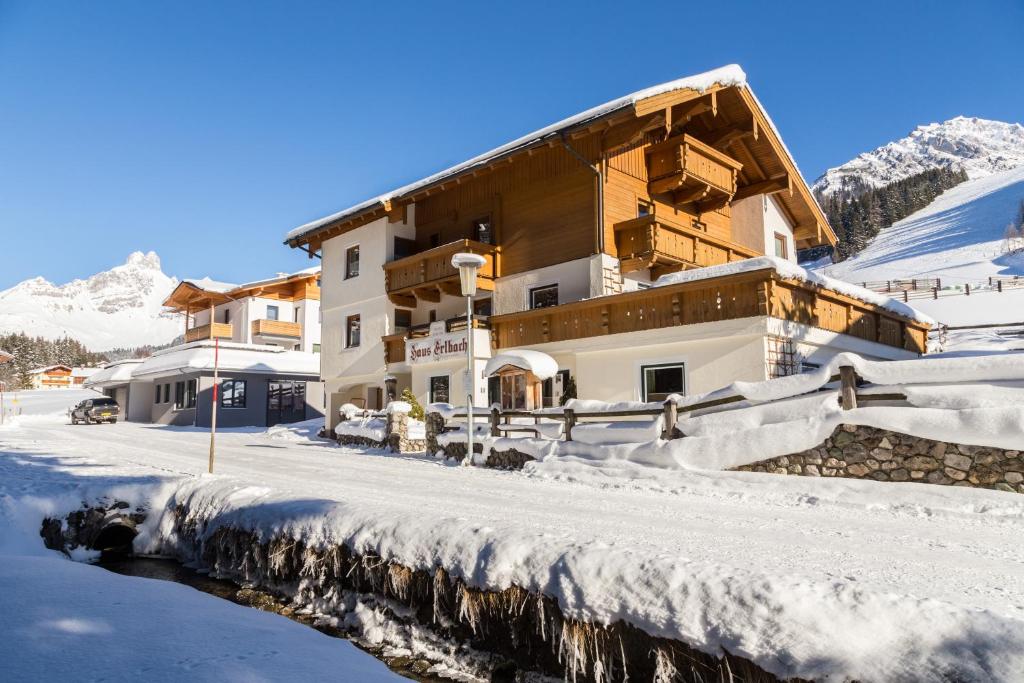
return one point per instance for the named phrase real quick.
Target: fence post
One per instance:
(938, 283)
(570, 420)
(848, 387)
(999, 285)
(906, 297)
(495, 416)
(671, 415)
(968, 292)
(935, 293)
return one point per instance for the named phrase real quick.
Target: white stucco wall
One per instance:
(512, 293)
(775, 222)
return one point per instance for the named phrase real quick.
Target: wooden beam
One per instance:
(431, 294)
(693, 195)
(663, 185)
(451, 288)
(725, 137)
(770, 186)
(403, 300)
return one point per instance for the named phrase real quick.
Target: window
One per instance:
(179, 395)
(272, 312)
(352, 262)
(167, 393)
(493, 390)
(644, 208)
(780, 246)
(482, 230)
(781, 359)
(435, 240)
(542, 297)
(658, 381)
(190, 394)
(156, 395)
(432, 315)
(352, 327)
(227, 316)
(482, 307)
(232, 393)
(404, 247)
(316, 348)
(513, 391)
(439, 389)
(298, 314)
(403, 319)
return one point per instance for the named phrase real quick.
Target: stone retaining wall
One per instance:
(396, 436)
(857, 452)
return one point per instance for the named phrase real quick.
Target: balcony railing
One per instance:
(744, 295)
(647, 242)
(429, 274)
(214, 331)
(691, 171)
(276, 328)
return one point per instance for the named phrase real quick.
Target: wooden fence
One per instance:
(500, 421)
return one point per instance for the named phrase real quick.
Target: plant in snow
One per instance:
(416, 411)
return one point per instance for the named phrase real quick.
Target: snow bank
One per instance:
(374, 428)
(540, 364)
(791, 271)
(730, 75)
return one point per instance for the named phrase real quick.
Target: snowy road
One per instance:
(756, 560)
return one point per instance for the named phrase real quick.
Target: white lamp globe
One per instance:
(468, 265)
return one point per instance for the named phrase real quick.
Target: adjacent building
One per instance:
(264, 339)
(51, 377)
(628, 243)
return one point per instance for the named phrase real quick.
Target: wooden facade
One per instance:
(758, 293)
(647, 242)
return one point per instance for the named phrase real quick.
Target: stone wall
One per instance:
(396, 435)
(867, 453)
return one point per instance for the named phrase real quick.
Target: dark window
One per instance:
(272, 312)
(432, 315)
(352, 262)
(227, 316)
(493, 390)
(232, 393)
(404, 247)
(542, 297)
(103, 402)
(439, 389)
(435, 240)
(780, 246)
(190, 394)
(658, 381)
(167, 393)
(482, 230)
(644, 208)
(298, 314)
(482, 307)
(316, 348)
(403, 319)
(179, 395)
(352, 327)
(156, 394)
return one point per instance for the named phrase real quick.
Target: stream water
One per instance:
(171, 570)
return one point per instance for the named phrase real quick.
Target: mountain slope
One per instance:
(958, 237)
(979, 146)
(116, 308)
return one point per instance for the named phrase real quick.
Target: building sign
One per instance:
(448, 346)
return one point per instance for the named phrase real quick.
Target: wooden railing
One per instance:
(276, 328)
(647, 242)
(214, 331)
(500, 421)
(691, 170)
(728, 297)
(430, 273)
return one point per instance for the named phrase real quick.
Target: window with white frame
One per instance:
(232, 393)
(352, 262)
(659, 381)
(543, 297)
(273, 312)
(352, 330)
(439, 389)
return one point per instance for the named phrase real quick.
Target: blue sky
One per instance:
(204, 131)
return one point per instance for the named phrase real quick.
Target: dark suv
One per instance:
(95, 410)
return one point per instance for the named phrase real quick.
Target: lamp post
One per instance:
(468, 265)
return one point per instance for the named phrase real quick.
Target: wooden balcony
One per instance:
(744, 295)
(215, 331)
(646, 242)
(276, 328)
(429, 274)
(691, 172)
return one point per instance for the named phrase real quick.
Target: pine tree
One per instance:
(416, 411)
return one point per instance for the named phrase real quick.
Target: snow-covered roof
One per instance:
(37, 371)
(83, 372)
(112, 374)
(789, 270)
(730, 75)
(199, 356)
(209, 285)
(540, 364)
(281, 277)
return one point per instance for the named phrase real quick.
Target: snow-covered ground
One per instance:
(66, 620)
(807, 577)
(958, 237)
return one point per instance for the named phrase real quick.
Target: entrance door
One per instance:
(286, 402)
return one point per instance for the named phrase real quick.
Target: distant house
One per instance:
(51, 377)
(79, 375)
(267, 356)
(5, 357)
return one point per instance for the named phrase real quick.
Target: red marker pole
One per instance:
(213, 408)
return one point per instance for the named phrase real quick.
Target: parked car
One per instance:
(95, 410)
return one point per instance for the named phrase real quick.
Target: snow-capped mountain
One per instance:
(979, 146)
(116, 308)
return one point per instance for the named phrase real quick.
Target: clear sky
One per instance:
(205, 130)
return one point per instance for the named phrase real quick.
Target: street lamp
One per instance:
(468, 265)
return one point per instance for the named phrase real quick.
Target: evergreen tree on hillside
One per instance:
(36, 352)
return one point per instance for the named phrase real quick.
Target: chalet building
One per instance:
(626, 242)
(267, 336)
(52, 377)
